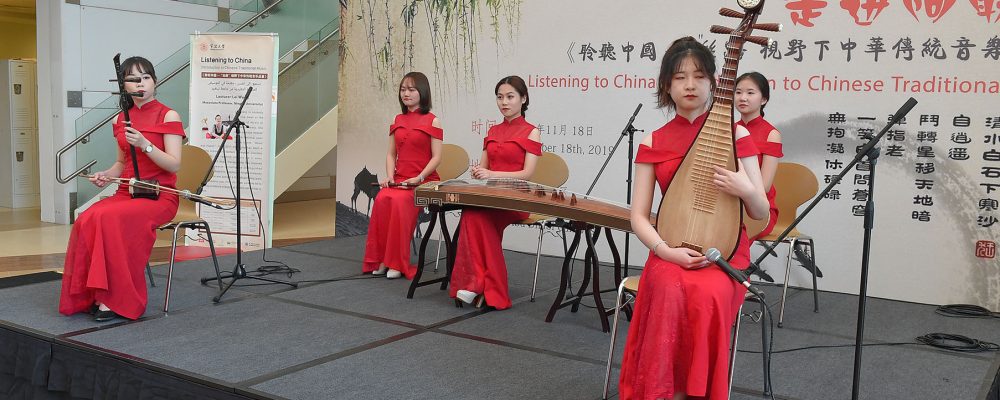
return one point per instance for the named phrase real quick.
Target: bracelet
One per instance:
(420, 178)
(653, 249)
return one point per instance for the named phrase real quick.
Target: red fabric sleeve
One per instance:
(168, 128)
(771, 149)
(746, 148)
(649, 155)
(529, 145)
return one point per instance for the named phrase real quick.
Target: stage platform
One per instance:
(363, 339)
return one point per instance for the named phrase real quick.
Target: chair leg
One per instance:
(614, 335)
(732, 349)
(215, 260)
(784, 286)
(149, 273)
(437, 258)
(170, 269)
(812, 254)
(765, 343)
(538, 256)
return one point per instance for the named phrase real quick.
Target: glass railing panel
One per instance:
(292, 20)
(307, 91)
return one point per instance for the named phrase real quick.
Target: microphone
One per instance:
(905, 109)
(715, 256)
(628, 126)
(188, 195)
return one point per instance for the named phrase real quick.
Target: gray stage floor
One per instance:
(362, 339)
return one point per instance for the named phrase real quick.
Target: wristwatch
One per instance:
(148, 149)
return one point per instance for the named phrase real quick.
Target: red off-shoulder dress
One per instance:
(479, 263)
(679, 336)
(394, 215)
(111, 241)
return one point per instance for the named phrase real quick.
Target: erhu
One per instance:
(694, 213)
(138, 187)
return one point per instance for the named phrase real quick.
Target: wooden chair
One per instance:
(194, 162)
(552, 171)
(630, 286)
(795, 184)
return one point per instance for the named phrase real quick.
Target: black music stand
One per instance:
(239, 270)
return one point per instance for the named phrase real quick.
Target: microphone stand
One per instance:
(871, 151)
(239, 270)
(629, 131)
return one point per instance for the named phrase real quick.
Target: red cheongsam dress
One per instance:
(394, 215)
(111, 241)
(679, 336)
(760, 129)
(479, 262)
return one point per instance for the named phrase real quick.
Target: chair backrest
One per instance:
(551, 170)
(794, 185)
(194, 162)
(454, 161)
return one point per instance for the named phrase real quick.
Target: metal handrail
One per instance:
(303, 56)
(103, 122)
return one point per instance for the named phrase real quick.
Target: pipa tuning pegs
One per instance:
(731, 13)
(763, 41)
(770, 27)
(720, 29)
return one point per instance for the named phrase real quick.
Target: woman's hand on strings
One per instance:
(384, 184)
(481, 173)
(682, 256)
(135, 138)
(414, 181)
(735, 183)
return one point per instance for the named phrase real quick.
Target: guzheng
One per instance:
(524, 196)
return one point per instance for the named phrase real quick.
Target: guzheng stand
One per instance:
(591, 264)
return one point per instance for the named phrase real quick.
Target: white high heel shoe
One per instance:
(470, 297)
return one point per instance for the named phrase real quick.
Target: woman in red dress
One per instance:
(510, 150)
(679, 335)
(111, 241)
(413, 157)
(752, 94)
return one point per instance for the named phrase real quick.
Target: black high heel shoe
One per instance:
(102, 316)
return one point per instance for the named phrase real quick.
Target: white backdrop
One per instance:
(937, 180)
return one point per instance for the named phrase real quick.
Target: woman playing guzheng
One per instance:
(510, 150)
(751, 95)
(413, 157)
(679, 336)
(111, 241)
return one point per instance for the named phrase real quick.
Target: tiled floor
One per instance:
(28, 245)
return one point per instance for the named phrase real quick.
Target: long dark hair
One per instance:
(762, 85)
(423, 87)
(143, 65)
(680, 49)
(519, 86)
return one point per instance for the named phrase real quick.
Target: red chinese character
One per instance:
(935, 9)
(986, 249)
(986, 8)
(803, 11)
(872, 9)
